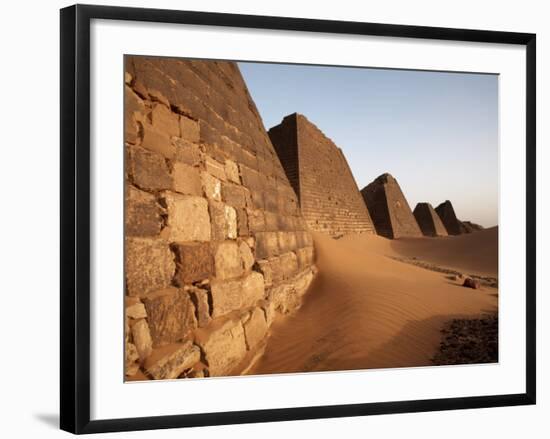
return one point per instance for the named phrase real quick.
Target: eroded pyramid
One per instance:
(448, 217)
(428, 220)
(471, 227)
(389, 208)
(319, 173)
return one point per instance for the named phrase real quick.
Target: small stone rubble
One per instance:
(469, 341)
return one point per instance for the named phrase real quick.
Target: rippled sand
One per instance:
(367, 310)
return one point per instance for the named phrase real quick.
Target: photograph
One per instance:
(292, 218)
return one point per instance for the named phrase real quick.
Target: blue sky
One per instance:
(437, 133)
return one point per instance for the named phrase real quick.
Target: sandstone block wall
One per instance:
(319, 173)
(448, 217)
(214, 239)
(389, 209)
(429, 220)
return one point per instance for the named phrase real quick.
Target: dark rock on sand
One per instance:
(471, 283)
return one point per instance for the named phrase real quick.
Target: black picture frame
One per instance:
(75, 217)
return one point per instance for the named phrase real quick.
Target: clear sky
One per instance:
(436, 133)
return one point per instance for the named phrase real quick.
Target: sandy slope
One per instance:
(367, 310)
(475, 253)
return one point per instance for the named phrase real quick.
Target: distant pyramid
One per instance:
(471, 227)
(319, 173)
(448, 217)
(389, 209)
(429, 220)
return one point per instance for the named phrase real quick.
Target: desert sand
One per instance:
(367, 309)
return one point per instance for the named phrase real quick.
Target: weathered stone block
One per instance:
(287, 297)
(253, 288)
(271, 222)
(236, 294)
(287, 241)
(242, 222)
(225, 348)
(257, 198)
(194, 262)
(131, 358)
(234, 195)
(187, 179)
(157, 96)
(231, 221)
(217, 214)
(188, 218)
(251, 179)
(164, 121)
(227, 259)
(285, 222)
(157, 141)
(267, 244)
(149, 265)
(189, 129)
(169, 362)
(142, 339)
(246, 256)
(187, 153)
(212, 186)
(200, 299)
(148, 170)
(215, 152)
(270, 201)
(303, 239)
(256, 220)
(208, 134)
(224, 221)
(143, 213)
(232, 171)
(289, 264)
(131, 129)
(170, 314)
(270, 312)
(132, 104)
(305, 256)
(255, 328)
(265, 268)
(134, 308)
(246, 158)
(277, 273)
(215, 168)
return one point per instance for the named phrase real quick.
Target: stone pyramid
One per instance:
(448, 217)
(429, 220)
(319, 173)
(215, 241)
(471, 227)
(389, 209)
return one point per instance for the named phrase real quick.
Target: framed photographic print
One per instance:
(268, 218)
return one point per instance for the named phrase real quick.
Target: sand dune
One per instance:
(367, 310)
(475, 253)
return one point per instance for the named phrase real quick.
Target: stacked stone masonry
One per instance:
(448, 217)
(389, 209)
(215, 242)
(429, 220)
(319, 173)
